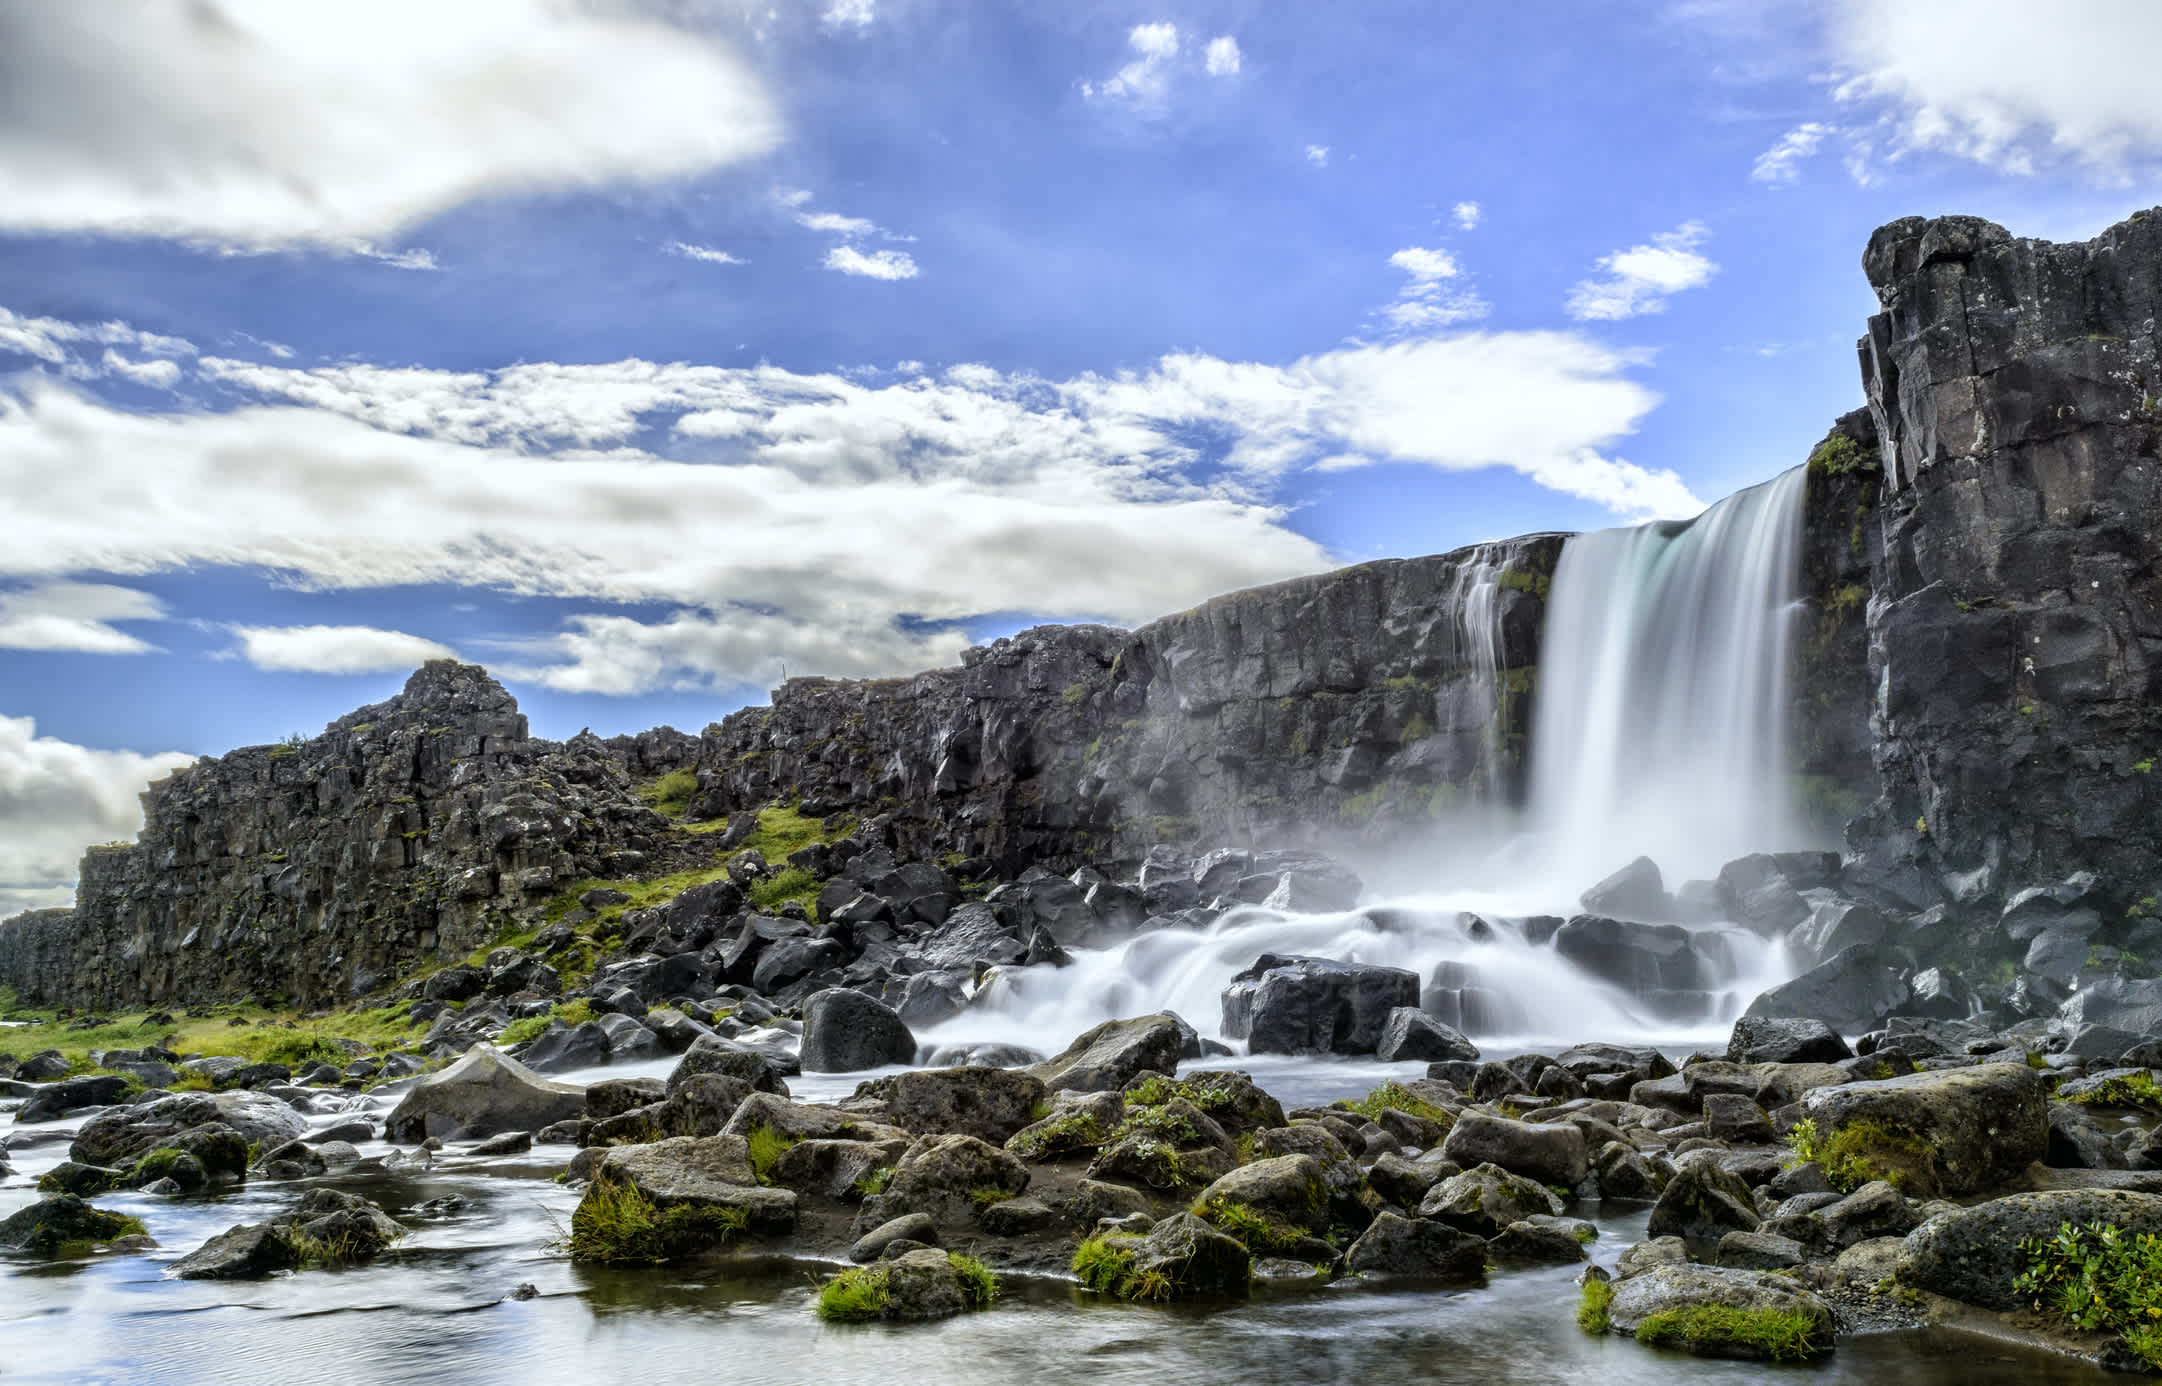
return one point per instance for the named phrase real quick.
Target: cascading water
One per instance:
(1661, 728)
(1660, 732)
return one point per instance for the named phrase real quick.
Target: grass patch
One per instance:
(2124, 1090)
(1862, 1152)
(1160, 1123)
(788, 883)
(1591, 1306)
(985, 1197)
(767, 1146)
(269, 1036)
(2095, 1277)
(671, 793)
(615, 1224)
(1075, 1131)
(1777, 1334)
(1397, 1096)
(576, 1012)
(979, 1285)
(1256, 1229)
(855, 1296)
(1106, 1265)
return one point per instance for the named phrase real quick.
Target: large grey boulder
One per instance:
(1785, 1040)
(1972, 1255)
(1284, 1004)
(1548, 1152)
(1393, 1244)
(1641, 957)
(71, 1095)
(1113, 1054)
(1286, 1189)
(1637, 891)
(1664, 1289)
(1701, 1204)
(1410, 1033)
(1484, 1200)
(711, 1054)
(123, 1135)
(1853, 991)
(991, 1104)
(846, 1032)
(481, 1094)
(1961, 1131)
(943, 1179)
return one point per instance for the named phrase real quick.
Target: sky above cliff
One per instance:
(650, 352)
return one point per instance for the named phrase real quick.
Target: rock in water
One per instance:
(1113, 1054)
(1959, 1131)
(1393, 1244)
(845, 1032)
(125, 1134)
(1642, 1298)
(1296, 1005)
(484, 1093)
(1548, 1152)
(1972, 1255)
(46, 1227)
(1637, 891)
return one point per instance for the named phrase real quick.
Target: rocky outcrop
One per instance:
(313, 871)
(2015, 640)
(1366, 696)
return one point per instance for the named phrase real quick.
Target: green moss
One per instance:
(985, 1197)
(767, 1146)
(979, 1285)
(1075, 1131)
(1778, 1334)
(1840, 455)
(1105, 1263)
(2123, 1090)
(1074, 694)
(1418, 728)
(671, 793)
(1862, 1152)
(1396, 1095)
(1524, 580)
(615, 1224)
(1158, 1122)
(1259, 1232)
(1591, 1306)
(789, 883)
(855, 1296)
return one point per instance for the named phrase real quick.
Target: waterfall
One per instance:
(1661, 724)
(1659, 731)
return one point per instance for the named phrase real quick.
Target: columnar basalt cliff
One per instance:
(2016, 620)
(316, 871)
(1359, 700)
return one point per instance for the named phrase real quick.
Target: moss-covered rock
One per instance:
(56, 1226)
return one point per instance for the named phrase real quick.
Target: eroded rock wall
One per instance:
(2015, 625)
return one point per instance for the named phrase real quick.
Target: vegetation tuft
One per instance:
(615, 1224)
(767, 1146)
(1257, 1230)
(2123, 1090)
(1591, 1306)
(855, 1296)
(2095, 1277)
(1106, 1263)
(1861, 1152)
(1779, 1334)
(1402, 1099)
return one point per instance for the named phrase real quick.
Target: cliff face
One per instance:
(2015, 625)
(1349, 701)
(315, 872)
(1842, 549)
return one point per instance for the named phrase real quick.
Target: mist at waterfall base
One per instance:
(1660, 731)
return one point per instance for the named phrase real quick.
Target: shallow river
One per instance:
(437, 1311)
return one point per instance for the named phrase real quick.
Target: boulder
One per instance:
(944, 1178)
(1287, 1190)
(481, 1094)
(1663, 1290)
(71, 1095)
(701, 1107)
(1853, 991)
(1548, 1152)
(846, 1032)
(909, 1227)
(46, 1227)
(991, 1104)
(1640, 957)
(1530, 1243)
(834, 1168)
(1874, 1210)
(1411, 1034)
(1113, 1054)
(1393, 1244)
(122, 1136)
(704, 1172)
(1973, 1254)
(1637, 891)
(1958, 1131)
(1285, 1004)
(1192, 1257)
(1785, 1040)
(1485, 1200)
(247, 1252)
(1701, 1204)
(561, 1048)
(715, 1055)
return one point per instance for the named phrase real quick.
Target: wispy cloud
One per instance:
(1642, 278)
(1431, 297)
(1780, 165)
(336, 649)
(705, 253)
(1223, 58)
(849, 14)
(1317, 155)
(1160, 56)
(878, 264)
(1468, 215)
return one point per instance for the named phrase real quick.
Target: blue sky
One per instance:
(642, 351)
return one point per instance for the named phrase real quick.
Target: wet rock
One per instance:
(73, 1095)
(834, 1168)
(561, 1048)
(1651, 1254)
(1531, 1243)
(1874, 1210)
(846, 1032)
(1193, 1258)
(123, 1135)
(1785, 1040)
(1284, 1004)
(1112, 1054)
(710, 1172)
(1393, 1244)
(1735, 1119)
(1547, 1153)
(1853, 991)
(1409, 1033)
(1760, 1251)
(615, 1096)
(247, 1252)
(991, 1104)
(484, 1093)
(1973, 1254)
(1965, 1130)
(1486, 1199)
(1287, 1190)
(1668, 1288)
(1637, 891)
(806, 1121)
(1623, 1174)
(944, 1177)
(1701, 1204)
(53, 1224)
(911, 1227)
(715, 1055)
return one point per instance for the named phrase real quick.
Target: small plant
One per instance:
(855, 1296)
(767, 1146)
(979, 1285)
(985, 1197)
(1159, 1122)
(1840, 455)
(873, 1184)
(1248, 1224)
(1396, 1095)
(1105, 1264)
(1781, 1335)
(1075, 1131)
(2097, 1278)
(1591, 1306)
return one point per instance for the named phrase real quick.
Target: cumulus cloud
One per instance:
(1317, 155)
(1160, 57)
(1467, 215)
(54, 797)
(336, 649)
(1430, 298)
(60, 343)
(255, 124)
(2000, 83)
(76, 616)
(704, 253)
(878, 264)
(1642, 278)
(1780, 166)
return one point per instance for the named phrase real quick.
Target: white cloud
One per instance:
(1641, 279)
(619, 655)
(836, 224)
(57, 342)
(76, 616)
(162, 375)
(1223, 56)
(1428, 301)
(258, 123)
(1780, 166)
(2004, 84)
(1317, 155)
(413, 259)
(705, 253)
(1160, 59)
(849, 14)
(1467, 215)
(336, 649)
(56, 796)
(879, 264)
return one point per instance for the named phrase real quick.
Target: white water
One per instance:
(1660, 731)
(1475, 601)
